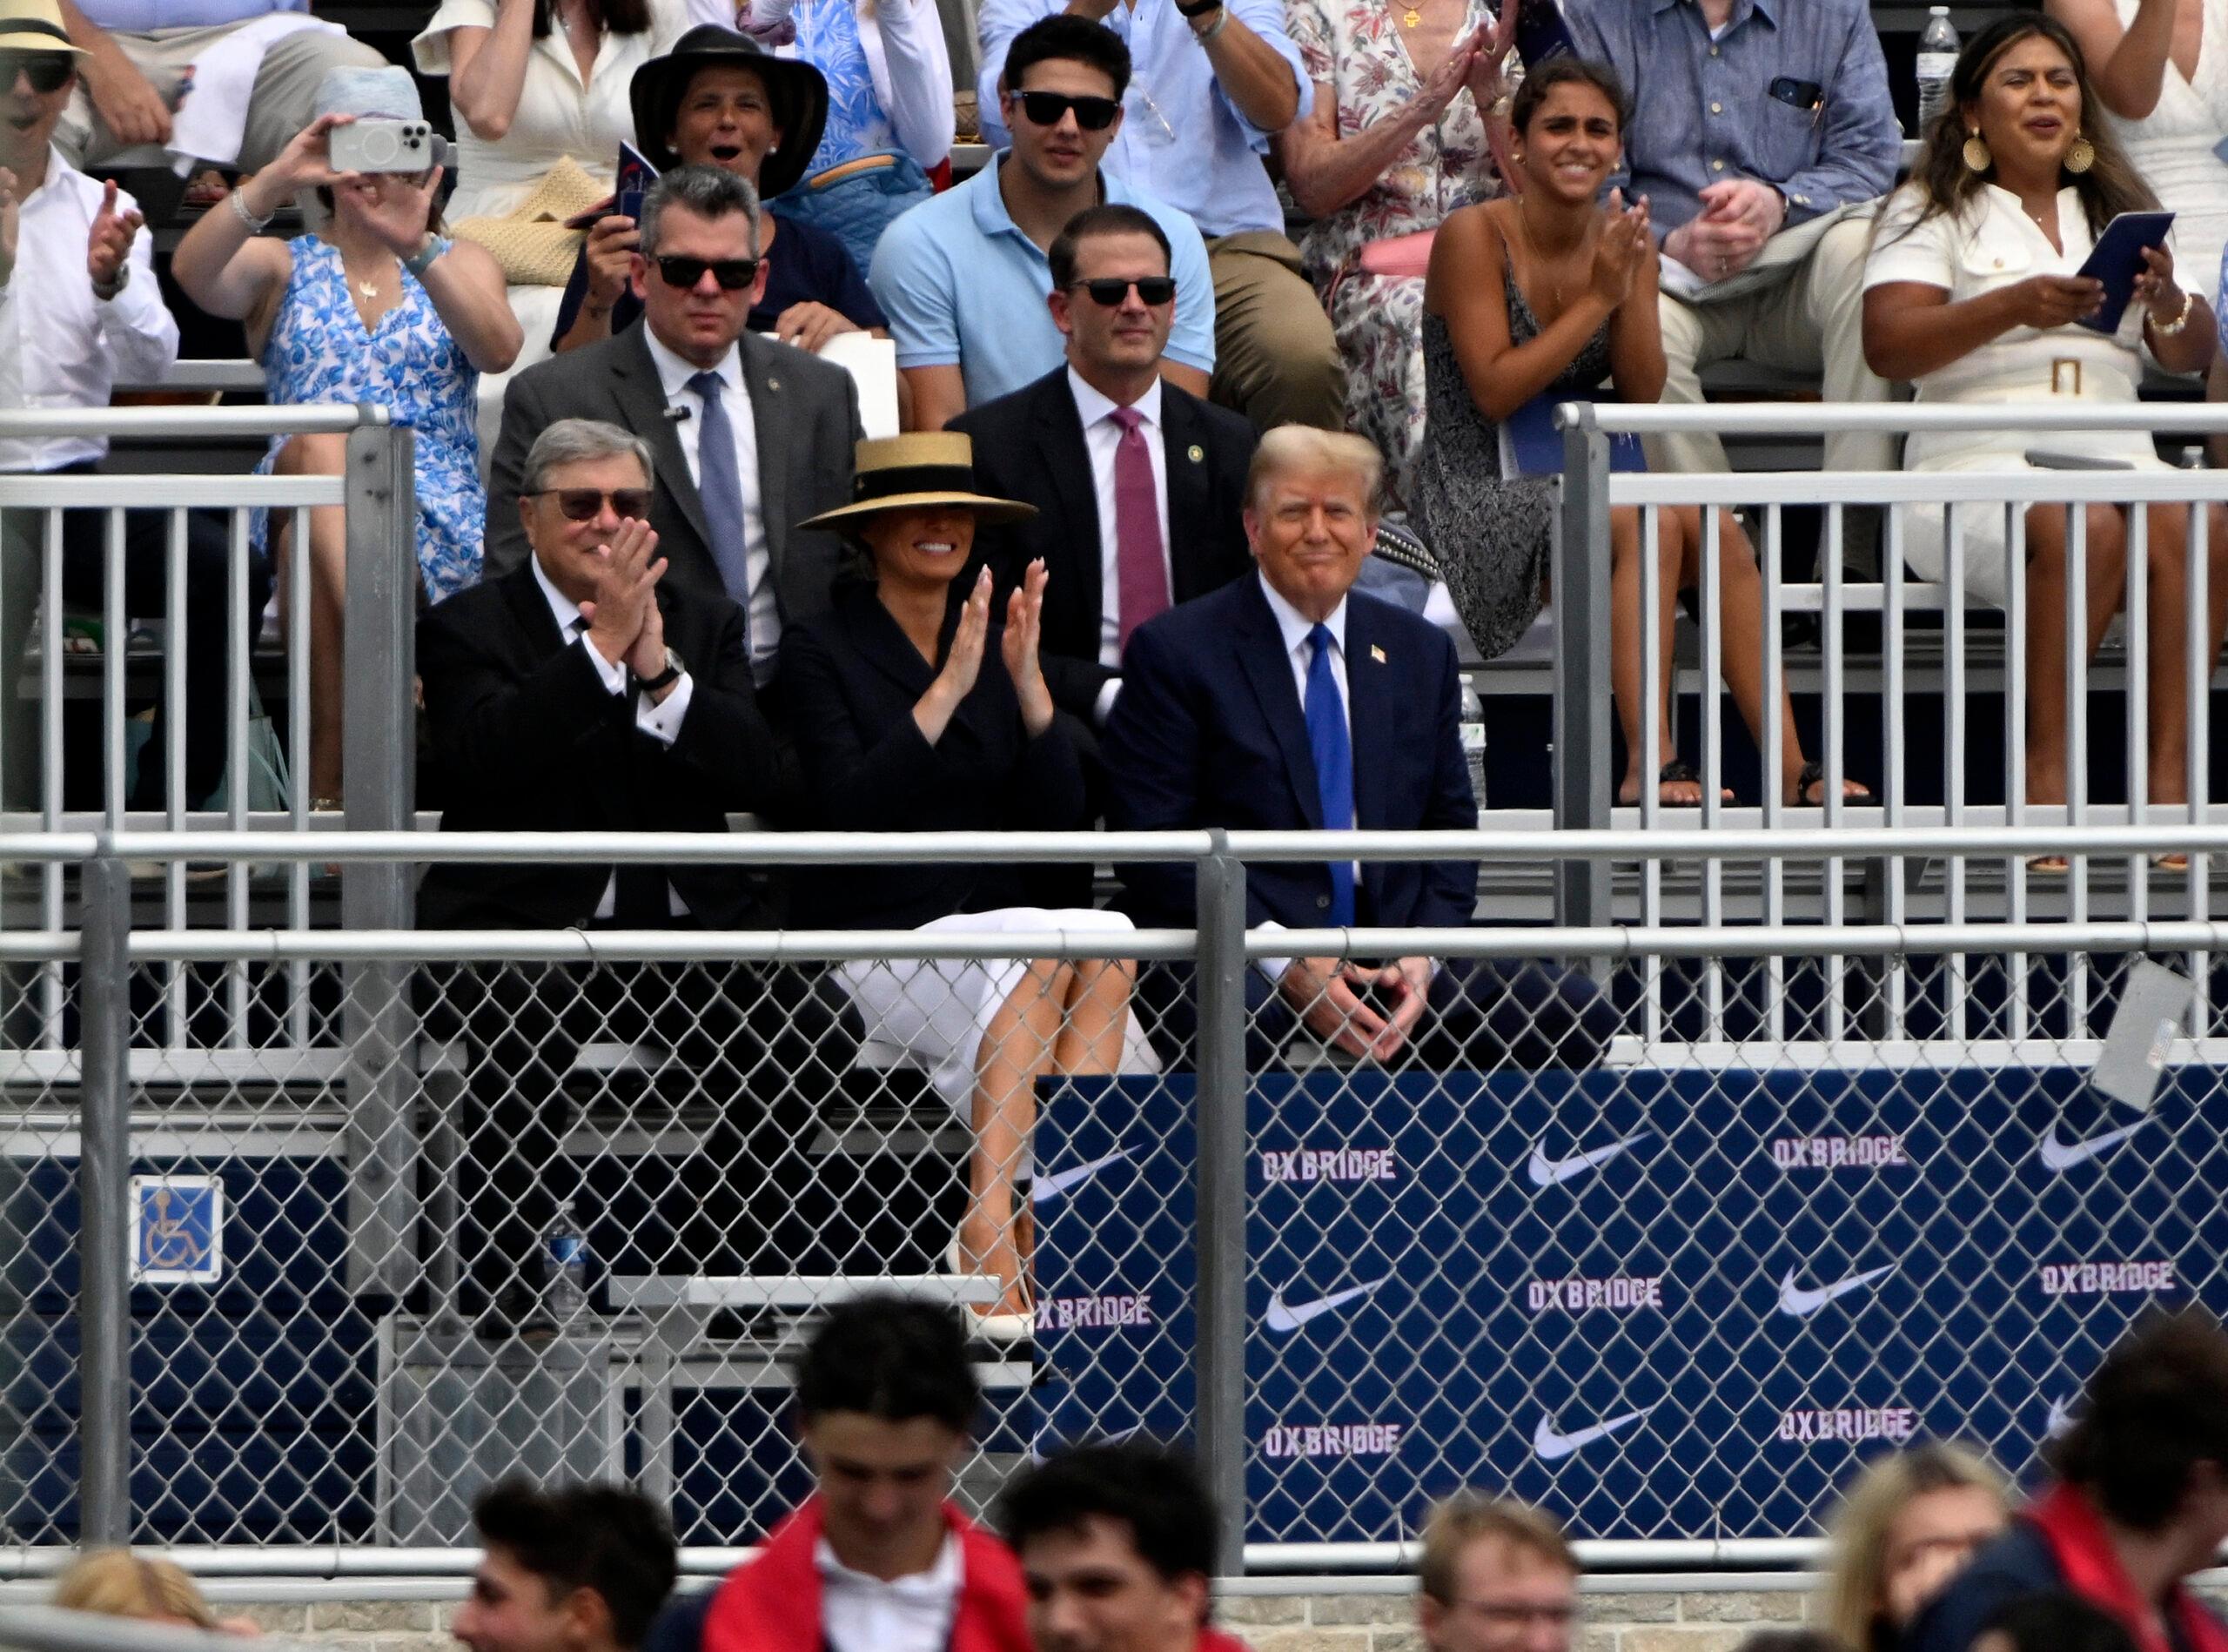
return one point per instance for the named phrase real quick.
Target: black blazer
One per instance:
(528, 739)
(1208, 731)
(805, 413)
(1029, 445)
(849, 679)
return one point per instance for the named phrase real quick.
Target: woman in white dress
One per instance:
(531, 84)
(2161, 71)
(913, 713)
(1971, 293)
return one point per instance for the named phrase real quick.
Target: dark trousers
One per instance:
(146, 555)
(748, 1068)
(1482, 1014)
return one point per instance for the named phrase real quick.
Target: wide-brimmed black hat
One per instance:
(796, 89)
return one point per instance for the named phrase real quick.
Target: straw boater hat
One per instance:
(34, 25)
(904, 472)
(797, 90)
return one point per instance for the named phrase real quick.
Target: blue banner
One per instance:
(1661, 1304)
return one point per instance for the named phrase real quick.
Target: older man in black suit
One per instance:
(583, 692)
(1138, 486)
(749, 435)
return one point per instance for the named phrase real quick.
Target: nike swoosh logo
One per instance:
(1037, 1458)
(1803, 1301)
(1547, 1172)
(1550, 1444)
(1050, 1187)
(2063, 1155)
(2061, 1419)
(1284, 1317)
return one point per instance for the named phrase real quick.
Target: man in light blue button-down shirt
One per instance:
(1756, 119)
(1213, 80)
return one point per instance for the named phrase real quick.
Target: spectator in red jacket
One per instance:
(1117, 1548)
(878, 1559)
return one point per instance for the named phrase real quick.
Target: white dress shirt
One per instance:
(860, 1613)
(673, 374)
(60, 347)
(660, 720)
(1300, 654)
(1101, 437)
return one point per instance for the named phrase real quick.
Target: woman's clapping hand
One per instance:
(1024, 631)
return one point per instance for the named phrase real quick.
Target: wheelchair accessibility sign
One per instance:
(177, 1230)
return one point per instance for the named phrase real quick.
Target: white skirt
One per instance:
(1981, 527)
(931, 1013)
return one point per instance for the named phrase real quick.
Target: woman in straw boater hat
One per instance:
(916, 708)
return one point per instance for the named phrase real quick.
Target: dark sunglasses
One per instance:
(1092, 114)
(583, 504)
(48, 72)
(732, 274)
(1110, 291)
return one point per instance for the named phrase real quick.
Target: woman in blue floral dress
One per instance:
(373, 306)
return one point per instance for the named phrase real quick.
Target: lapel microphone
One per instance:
(675, 416)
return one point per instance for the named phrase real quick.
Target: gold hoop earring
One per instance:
(1978, 158)
(2080, 156)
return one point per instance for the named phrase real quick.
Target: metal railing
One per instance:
(387, 1250)
(1922, 624)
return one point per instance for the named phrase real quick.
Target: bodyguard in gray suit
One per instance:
(749, 436)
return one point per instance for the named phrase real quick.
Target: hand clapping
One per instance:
(1622, 251)
(625, 604)
(12, 211)
(1024, 630)
(109, 242)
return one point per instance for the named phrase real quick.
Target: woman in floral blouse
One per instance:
(1399, 138)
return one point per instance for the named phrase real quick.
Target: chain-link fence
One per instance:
(313, 1234)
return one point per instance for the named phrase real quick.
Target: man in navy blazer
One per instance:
(1223, 710)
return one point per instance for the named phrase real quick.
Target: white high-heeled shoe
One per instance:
(1005, 1329)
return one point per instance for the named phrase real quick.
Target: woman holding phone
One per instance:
(1550, 292)
(1973, 293)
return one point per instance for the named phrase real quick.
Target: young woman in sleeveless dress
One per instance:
(1549, 291)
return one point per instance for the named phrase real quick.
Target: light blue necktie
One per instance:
(1334, 766)
(720, 485)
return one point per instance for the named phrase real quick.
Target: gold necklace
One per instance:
(1411, 17)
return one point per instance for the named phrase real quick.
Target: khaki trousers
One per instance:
(285, 87)
(1276, 360)
(1811, 322)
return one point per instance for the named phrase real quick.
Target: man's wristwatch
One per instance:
(671, 674)
(122, 279)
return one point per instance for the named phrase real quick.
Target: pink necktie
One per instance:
(1141, 572)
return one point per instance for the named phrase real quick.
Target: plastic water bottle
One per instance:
(1937, 61)
(567, 1247)
(1474, 741)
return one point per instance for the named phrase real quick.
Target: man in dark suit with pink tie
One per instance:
(1137, 485)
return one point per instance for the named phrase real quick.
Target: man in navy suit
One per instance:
(1290, 701)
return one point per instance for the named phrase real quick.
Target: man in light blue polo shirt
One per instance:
(1214, 80)
(963, 278)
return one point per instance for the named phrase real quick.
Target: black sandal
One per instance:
(1813, 773)
(1677, 771)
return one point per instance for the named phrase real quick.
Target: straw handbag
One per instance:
(531, 242)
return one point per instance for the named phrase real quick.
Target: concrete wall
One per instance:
(1622, 1615)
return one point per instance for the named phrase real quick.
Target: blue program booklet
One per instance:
(1540, 32)
(1531, 446)
(2117, 259)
